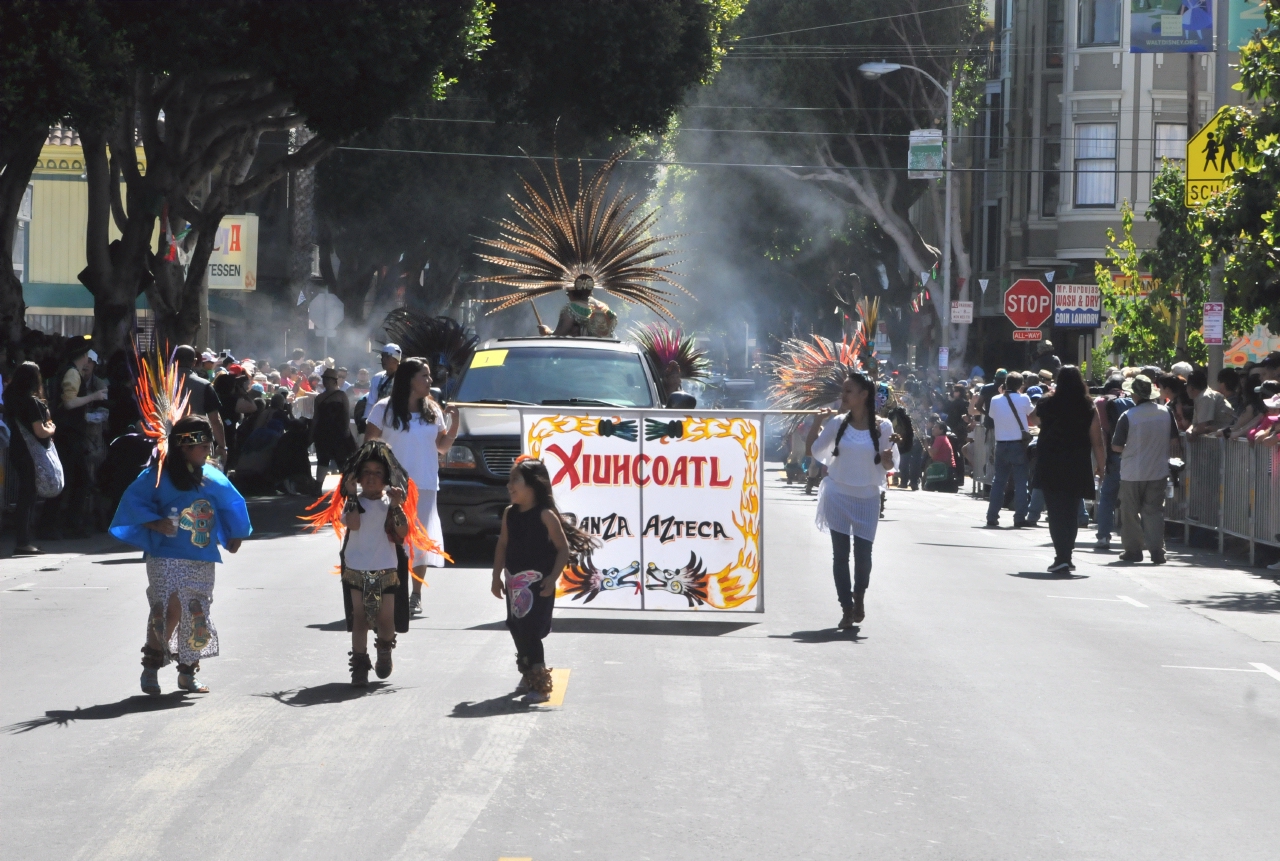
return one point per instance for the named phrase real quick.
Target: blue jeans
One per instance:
(840, 566)
(1108, 496)
(1011, 465)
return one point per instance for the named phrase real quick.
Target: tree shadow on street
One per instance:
(507, 704)
(331, 693)
(107, 711)
(1239, 602)
(826, 635)
(1047, 575)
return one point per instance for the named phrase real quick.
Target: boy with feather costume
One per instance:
(178, 511)
(373, 511)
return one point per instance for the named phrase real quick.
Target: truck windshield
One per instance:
(538, 374)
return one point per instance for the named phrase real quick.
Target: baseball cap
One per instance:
(390, 349)
(208, 356)
(1272, 403)
(1035, 392)
(1142, 387)
(1267, 389)
(1113, 383)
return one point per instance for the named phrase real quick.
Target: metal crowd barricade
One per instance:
(1229, 486)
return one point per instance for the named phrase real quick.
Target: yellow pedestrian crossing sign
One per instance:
(1209, 160)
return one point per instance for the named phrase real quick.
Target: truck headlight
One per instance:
(459, 457)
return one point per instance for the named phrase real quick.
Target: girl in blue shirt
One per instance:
(178, 511)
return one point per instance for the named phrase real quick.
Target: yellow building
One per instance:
(50, 250)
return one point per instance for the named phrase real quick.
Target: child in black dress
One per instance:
(535, 545)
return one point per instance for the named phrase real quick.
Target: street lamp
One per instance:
(873, 71)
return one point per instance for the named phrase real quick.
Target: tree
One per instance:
(56, 59)
(1243, 222)
(569, 77)
(206, 82)
(859, 130)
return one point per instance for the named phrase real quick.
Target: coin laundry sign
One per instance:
(1077, 305)
(675, 504)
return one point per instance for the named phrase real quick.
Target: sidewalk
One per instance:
(1218, 587)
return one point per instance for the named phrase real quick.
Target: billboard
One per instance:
(233, 264)
(1170, 26)
(674, 501)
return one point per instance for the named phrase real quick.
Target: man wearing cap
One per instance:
(1210, 410)
(1114, 403)
(203, 400)
(380, 385)
(1145, 438)
(1046, 360)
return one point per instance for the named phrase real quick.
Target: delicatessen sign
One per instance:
(674, 501)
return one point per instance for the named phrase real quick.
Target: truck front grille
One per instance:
(498, 459)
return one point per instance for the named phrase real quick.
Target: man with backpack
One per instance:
(1110, 406)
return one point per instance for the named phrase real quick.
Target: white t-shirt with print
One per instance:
(369, 548)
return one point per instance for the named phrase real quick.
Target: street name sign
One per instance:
(1027, 304)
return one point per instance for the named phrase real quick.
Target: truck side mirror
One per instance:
(681, 401)
(437, 394)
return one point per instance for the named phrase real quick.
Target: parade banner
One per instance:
(673, 499)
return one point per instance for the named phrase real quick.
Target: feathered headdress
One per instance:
(664, 345)
(811, 375)
(562, 239)
(162, 399)
(440, 340)
(329, 507)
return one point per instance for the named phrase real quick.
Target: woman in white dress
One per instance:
(410, 422)
(857, 449)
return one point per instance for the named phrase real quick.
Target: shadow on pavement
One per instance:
(507, 704)
(107, 711)
(130, 561)
(340, 625)
(1241, 602)
(826, 635)
(657, 627)
(1045, 575)
(327, 694)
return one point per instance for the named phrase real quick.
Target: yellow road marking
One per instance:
(559, 682)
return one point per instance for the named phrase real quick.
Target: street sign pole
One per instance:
(1222, 43)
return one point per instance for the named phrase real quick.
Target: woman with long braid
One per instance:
(857, 451)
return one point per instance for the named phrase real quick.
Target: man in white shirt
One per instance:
(1010, 413)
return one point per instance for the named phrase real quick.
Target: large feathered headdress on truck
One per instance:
(561, 239)
(158, 388)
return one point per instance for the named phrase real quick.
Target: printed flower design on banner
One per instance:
(584, 580)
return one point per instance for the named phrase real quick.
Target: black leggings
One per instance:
(840, 567)
(1063, 508)
(529, 630)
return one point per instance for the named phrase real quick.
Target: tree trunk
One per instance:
(20, 159)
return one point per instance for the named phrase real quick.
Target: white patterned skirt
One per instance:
(192, 581)
(842, 512)
(430, 518)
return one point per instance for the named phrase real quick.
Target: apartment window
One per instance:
(1054, 28)
(995, 123)
(1050, 177)
(1171, 144)
(991, 241)
(1095, 167)
(1099, 23)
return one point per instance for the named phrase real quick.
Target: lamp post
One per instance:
(872, 71)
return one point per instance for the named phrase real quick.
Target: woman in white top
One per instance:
(410, 422)
(857, 449)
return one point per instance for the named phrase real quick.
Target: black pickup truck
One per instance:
(589, 373)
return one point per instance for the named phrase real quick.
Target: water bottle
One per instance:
(174, 518)
(1168, 490)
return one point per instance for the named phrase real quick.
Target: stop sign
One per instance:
(1028, 303)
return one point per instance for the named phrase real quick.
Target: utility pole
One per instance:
(1222, 44)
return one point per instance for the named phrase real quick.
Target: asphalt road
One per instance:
(982, 711)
